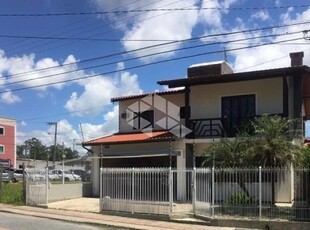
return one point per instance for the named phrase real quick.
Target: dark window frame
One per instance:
(237, 109)
(3, 149)
(148, 115)
(2, 131)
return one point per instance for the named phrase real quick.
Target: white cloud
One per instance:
(9, 98)
(37, 75)
(153, 25)
(213, 18)
(65, 135)
(262, 15)
(109, 125)
(99, 90)
(272, 56)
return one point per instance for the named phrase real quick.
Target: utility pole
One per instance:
(55, 141)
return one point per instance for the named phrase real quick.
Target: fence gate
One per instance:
(37, 187)
(161, 191)
(202, 192)
(183, 185)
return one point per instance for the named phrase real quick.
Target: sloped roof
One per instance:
(234, 77)
(127, 138)
(166, 92)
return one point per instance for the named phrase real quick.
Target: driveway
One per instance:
(78, 204)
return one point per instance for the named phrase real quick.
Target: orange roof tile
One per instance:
(170, 91)
(122, 138)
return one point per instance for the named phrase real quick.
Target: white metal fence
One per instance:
(37, 187)
(261, 193)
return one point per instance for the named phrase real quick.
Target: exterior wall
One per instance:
(8, 140)
(68, 191)
(205, 100)
(136, 149)
(176, 99)
(200, 148)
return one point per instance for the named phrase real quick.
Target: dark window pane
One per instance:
(237, 109)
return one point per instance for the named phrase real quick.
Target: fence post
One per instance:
(170, 191)
(1, 174)
(133, 191)
(194, 189)
(213, 191)
(260, 191)
(46, 186)
(26, 186)
(100, 189)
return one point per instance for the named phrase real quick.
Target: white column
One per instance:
(95, 176)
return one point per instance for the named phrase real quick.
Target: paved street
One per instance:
(20, 222)
(116, 222)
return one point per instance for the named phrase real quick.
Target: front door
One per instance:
(236, 110)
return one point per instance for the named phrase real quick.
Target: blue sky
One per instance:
(55, 61)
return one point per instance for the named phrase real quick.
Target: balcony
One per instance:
(218, 127)
(207, 128)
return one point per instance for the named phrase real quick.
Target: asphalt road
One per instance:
(9, 221)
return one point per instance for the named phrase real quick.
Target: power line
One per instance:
(148, 64)
(82, 39)
(149, 55)
(88, 25)
(155, 46)
(101, 25)
(149, 10)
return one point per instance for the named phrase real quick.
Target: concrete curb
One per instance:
(107, 220)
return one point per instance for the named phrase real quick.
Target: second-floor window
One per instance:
(1, 130)
(236, 110)
(144, 120)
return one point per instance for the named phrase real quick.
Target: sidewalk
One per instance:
(101, 219)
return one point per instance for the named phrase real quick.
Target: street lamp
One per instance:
(55, 141)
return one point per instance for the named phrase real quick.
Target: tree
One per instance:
(272, 143)
(36, 149)
(20, 150)
(228, 153)
(305, 157)
(267, 141)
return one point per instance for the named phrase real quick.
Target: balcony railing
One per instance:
(208, 128)
(218, 127)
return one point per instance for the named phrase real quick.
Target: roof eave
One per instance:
(125, 98)
(234, 77)
(166, 139)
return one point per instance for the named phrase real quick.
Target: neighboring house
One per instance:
(7, 142)
(174, 127)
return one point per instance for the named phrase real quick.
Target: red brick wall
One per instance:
(8, 141)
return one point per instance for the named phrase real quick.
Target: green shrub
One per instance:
(241, 198)
(12, 193)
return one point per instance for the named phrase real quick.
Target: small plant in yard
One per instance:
(12, 193)
(241, 199)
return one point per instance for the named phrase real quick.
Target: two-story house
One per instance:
(7, 142)
(173, 128)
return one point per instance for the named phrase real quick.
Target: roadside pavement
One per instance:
(107, 220)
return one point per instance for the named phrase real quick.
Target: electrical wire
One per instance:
(155, 46)
(150, 10)
(149, 55)
(148, 64)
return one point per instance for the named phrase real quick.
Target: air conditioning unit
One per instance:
(125, 115)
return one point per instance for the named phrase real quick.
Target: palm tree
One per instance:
(272, 142)
(267, 141)
(228, 153)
